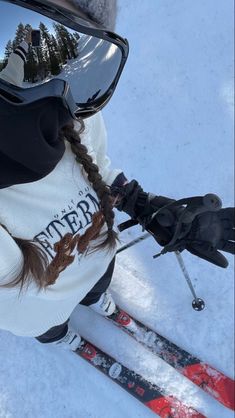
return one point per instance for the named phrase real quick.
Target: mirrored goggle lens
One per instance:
(89, 64)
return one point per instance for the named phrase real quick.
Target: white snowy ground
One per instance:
(170, 125)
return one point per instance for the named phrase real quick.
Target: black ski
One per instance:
(154, 397)
(212, 381)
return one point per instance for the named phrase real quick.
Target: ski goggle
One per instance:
(69, 56)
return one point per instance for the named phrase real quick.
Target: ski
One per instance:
(212, 381)
(151, 395)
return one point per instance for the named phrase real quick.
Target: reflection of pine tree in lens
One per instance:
(7, 53)
(66, 41)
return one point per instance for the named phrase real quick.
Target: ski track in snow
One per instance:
(170, 125)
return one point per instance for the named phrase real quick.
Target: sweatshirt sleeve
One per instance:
(14, 71)
(11, 257)
(95, 139)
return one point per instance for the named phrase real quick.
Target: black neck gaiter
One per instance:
(30, 147)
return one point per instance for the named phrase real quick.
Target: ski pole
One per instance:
(198, 304)
(135, 241)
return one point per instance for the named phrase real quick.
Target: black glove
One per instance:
(201, 227)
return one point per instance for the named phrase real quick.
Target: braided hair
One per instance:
(94, 177)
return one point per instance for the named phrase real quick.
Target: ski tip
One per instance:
(228, 389)
(170, 407)
(227, 395)
(214, 382)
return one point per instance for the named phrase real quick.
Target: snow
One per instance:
(170, 125)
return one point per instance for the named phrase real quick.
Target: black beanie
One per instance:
(101, 11)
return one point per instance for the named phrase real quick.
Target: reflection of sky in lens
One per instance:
(11, 16)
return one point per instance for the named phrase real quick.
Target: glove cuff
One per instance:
(128, 196)
(137, 203)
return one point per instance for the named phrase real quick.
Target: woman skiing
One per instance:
(58, 192)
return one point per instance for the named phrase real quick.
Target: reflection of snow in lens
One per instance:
(228, 96)
(111, 51)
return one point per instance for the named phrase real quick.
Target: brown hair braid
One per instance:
(35, 263)
(100, 187)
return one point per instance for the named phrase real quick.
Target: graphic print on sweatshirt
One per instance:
(71, 229)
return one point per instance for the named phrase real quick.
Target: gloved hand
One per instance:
(202, 227)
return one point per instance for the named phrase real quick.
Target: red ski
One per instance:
(154, 397)
(212, 381)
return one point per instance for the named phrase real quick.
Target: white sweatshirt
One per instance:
(60, 203)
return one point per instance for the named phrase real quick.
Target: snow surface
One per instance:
(170, 125)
